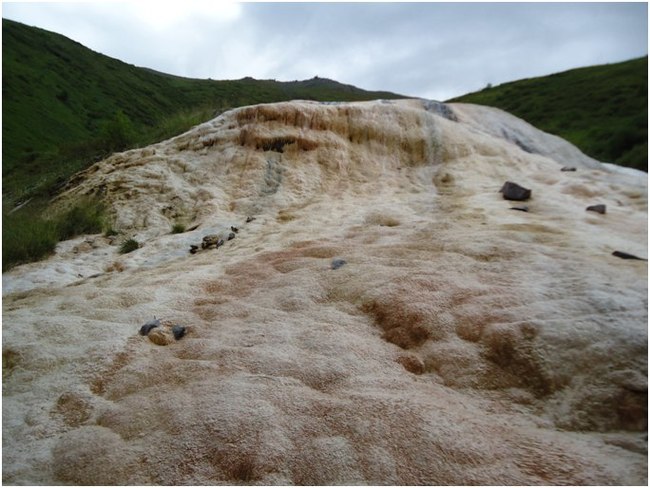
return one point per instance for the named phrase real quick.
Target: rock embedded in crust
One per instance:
(212, 241)
(161, 337)
(624, 255)
(513, 191)
(337, 263)
(179, 332)
(146, 328)
(600, 208)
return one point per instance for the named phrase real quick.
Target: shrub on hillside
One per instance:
(86, 217)
(118, 133)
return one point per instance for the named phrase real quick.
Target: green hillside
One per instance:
(601, 109)
(65, 106)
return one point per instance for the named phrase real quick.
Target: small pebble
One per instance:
(231, 236)
(523, 208)
(600, 208)
(337, 263)
(234, 229)
(624, 255)
(146, 328)
(178, 331)
(513, 191)
(249, 219)
(568, 168)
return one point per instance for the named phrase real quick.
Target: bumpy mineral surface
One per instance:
(461, 343)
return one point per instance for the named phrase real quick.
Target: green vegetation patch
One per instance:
(178, 228)
(28, 235)
(85, 217)
(603, 110)
(128, 246)
(27, 238)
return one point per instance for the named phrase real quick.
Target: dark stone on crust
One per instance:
(513, 191)
(146, 328)
(178, 331)
(600, 208)
(624, 255)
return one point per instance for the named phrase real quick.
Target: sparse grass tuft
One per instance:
(178, 228)
(129, 246)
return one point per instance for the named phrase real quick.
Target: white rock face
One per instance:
(462, 342)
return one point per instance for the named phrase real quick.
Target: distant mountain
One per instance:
(65, 105)
(601, 109)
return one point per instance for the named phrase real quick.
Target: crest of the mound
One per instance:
(286, 154)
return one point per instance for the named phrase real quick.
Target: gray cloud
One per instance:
(419, 49)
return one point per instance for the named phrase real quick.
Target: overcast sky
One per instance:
(430, 50)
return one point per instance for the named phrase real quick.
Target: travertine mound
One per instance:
(385, 318)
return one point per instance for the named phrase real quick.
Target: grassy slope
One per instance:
(601, 109)
(58, 98)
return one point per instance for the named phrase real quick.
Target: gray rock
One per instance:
(600, 208)
(146, 328)
(231, 236)
(513, 191)
(211, 240)
(337, 263)
(178, 331)
(624, 255)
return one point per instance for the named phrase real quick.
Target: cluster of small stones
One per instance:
(513, 191)
(214, 241)
(162, 334)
